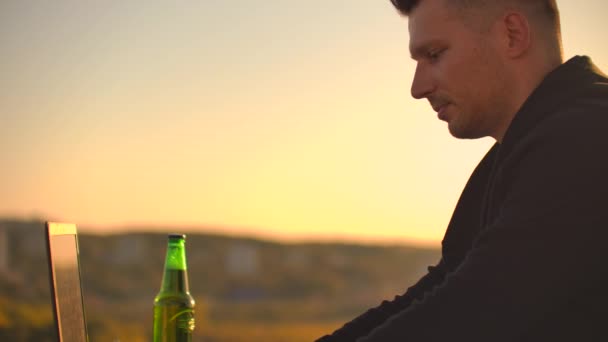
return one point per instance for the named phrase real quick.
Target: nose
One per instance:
(422, 85)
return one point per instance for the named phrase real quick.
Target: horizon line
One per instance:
(235, 231)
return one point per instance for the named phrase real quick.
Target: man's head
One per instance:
(478, 60)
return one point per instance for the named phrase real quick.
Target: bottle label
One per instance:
(184, 320)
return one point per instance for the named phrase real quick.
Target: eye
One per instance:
(433, 55)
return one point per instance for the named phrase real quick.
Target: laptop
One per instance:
(66, 290)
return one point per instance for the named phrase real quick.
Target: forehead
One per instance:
(432, 20)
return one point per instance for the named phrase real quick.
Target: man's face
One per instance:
(458, 70)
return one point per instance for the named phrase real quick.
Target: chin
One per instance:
(460, 132)
(455, 131)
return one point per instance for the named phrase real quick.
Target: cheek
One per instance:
(465, 77)
(478, 82)
(459, 82)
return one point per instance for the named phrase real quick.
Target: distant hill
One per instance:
(234, 280)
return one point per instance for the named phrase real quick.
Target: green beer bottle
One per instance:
(174, 306)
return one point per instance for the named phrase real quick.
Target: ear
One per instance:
(517, 34)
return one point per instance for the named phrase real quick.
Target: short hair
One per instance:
(549, 6)
(546, 8)
(405, 7)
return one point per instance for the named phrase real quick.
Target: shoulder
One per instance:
(583, 120)
(573, 135)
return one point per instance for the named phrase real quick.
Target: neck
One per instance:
(175, 281)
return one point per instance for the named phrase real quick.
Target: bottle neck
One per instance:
(175, 277)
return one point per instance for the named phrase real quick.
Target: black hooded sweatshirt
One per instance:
(524, 257)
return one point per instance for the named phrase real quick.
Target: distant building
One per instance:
(34, 244)
(4, 250)
(338, 260)
(242, 260)
(297, 259)
(127, 250)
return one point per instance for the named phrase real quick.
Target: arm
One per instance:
(372, 318)
(457, 241)
(543, 248)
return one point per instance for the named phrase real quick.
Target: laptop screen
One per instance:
(62, 246)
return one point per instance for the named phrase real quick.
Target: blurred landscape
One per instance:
(246, 289)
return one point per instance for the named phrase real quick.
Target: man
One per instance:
(523, 258)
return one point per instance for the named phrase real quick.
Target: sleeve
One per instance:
(457, 241)
(372, 318)
(544, 246)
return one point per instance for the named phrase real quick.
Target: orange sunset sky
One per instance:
(278, 118)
